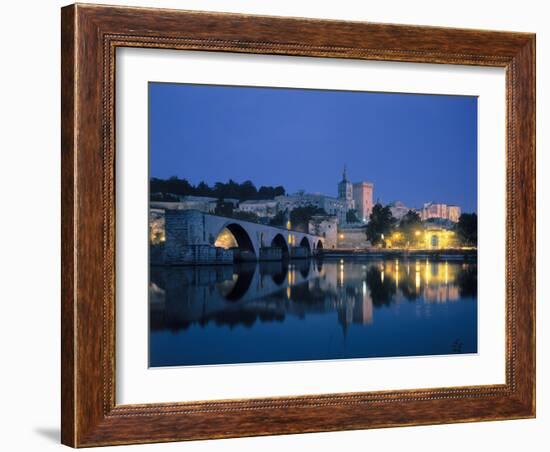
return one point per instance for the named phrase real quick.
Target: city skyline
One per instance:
(216, 133)
(331, 195)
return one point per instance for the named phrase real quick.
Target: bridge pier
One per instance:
(271, 253)
(240, 255)
(299, 252)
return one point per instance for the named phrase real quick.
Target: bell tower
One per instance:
(345, 188)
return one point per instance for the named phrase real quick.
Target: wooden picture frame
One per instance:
(90, 36)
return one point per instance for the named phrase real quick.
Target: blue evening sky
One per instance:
(414, 148)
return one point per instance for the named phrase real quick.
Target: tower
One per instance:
(345, 190)
(362, 197)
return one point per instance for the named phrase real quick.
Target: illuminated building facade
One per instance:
(439, 238)
(444, 211)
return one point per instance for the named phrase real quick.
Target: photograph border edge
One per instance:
(90, 35)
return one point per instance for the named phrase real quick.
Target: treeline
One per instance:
(231, 189)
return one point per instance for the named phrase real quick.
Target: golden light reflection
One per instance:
(291, 276)
(397, 277)
(226, 240)
(427, 272)
(341, 273)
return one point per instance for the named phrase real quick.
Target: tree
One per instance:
(164, 197)
(203, 189)
(300, 216)
(467, 229)
(279, 190)
(380, 224)
(223, 209)
(270, 192)
(230, 189)
(246, 216)
(382, 290)
(351, 216)
(278, 220)
(410, 226)
(247, 190)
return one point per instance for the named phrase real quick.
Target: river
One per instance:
(311, 310)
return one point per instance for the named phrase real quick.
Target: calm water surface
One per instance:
(310, 309)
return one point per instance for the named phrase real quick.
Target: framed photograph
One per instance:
(280, 225)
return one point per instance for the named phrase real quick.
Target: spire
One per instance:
(344, 175)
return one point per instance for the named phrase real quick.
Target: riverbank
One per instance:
(443, 254)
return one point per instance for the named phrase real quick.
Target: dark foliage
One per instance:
(352, 217)
(409, 225)
(278, 220)
(231, 189)
(381, 291)
(467, 282)
(300, 216)
(163, 197)
(467, 228)
(381, 222)
(227, 209)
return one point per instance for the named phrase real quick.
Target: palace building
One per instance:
(357, 196)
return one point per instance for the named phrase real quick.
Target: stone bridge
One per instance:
(196, 237)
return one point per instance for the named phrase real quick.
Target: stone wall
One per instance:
(156, 254)
(325, 226)
(352, 238)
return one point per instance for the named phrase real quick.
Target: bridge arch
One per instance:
(280, 242)
(241, 283)
(304, 243)
(279, 276)
(233, 235)
(319, 245)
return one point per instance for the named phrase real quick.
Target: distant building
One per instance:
(454, 213)
(263, 208)
(325, 226)
(443, 211)
(332, 206)
(202, 203)
(398, 209)
(205, 204)
(362, 198)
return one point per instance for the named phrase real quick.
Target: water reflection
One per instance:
(267, 299)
